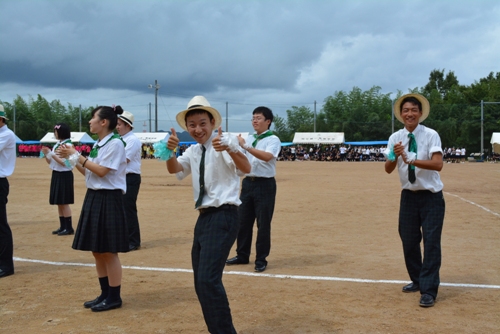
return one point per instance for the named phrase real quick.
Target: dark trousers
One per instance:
(6, 243)
(130, 205)
(257, 203)
(421, 214)
(214, 235)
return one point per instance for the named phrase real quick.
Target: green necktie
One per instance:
(412, 145)
(202, 178)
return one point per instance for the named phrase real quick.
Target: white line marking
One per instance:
(243, 273)
(479, 206)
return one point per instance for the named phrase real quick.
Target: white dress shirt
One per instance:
(7, 151)
(110, 155)
(428, 142)
(222, 178)
(54, 165)
(261, 168)
(133, 152)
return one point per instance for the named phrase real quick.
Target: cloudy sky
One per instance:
(278, 53)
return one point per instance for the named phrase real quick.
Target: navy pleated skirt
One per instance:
(61, 188)
(102, 227)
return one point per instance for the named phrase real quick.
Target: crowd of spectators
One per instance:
(341, 152)
(33, 150)
(315, 152)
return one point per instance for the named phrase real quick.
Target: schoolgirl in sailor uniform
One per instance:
(102, 228)
(61, 185)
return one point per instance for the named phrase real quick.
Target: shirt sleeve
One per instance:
(274, 146)
(434, 144)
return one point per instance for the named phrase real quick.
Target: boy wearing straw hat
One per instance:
(216, 164)
(7, 164)
(416, 151)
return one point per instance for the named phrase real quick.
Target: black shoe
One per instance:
(236, 260)
(66, 232)
(5, 273)
(260, 267)
(412, 287)
(106, 306)
(426, 300)
(91, 303)
(133, 247)
(57, 231)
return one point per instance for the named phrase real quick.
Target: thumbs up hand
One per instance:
(173, 140)
(216, 142)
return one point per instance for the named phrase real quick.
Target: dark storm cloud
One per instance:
(250, 52)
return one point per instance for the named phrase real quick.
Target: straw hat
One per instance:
(127, 117)
(198, 102)
(426, 108)
(2, 112)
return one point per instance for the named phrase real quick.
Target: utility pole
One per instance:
(156, 87)
(149, 116)
(227, 119)
(314, 116)
(80, 117)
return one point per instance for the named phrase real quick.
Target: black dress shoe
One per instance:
(57, 231)
(133, 247)
(91, 303)
(412, 287)
(236, 260)
(260, 267)
(426, 300)
(106, 306)
(5, 273)
(66, 232)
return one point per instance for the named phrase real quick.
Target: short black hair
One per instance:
(412, 100)
(266, 112)
(63, 131)
(195, 111)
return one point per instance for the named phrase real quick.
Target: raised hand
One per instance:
(216, 142)
(241, 140)
(173, 140)
(65, 151)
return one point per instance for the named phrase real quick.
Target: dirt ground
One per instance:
(336, 263)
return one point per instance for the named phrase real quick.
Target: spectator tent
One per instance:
(151, 137)
(318, 138)
(495, 142)
(76, 137)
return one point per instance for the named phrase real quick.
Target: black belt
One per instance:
(419, 191)
(257, 178)
(211, 209)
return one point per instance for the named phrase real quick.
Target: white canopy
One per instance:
(495, 142)
(76, 137)
(151, 137)
(318, 138)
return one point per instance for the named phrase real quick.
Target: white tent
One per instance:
(318, 138)
(76, 137)
(495, 142)
(151, 137)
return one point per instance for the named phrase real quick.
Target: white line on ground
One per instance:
(479, 206)
(243, 273)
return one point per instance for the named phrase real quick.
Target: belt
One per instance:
(257, 178)
(418, 191)
(211, 209)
